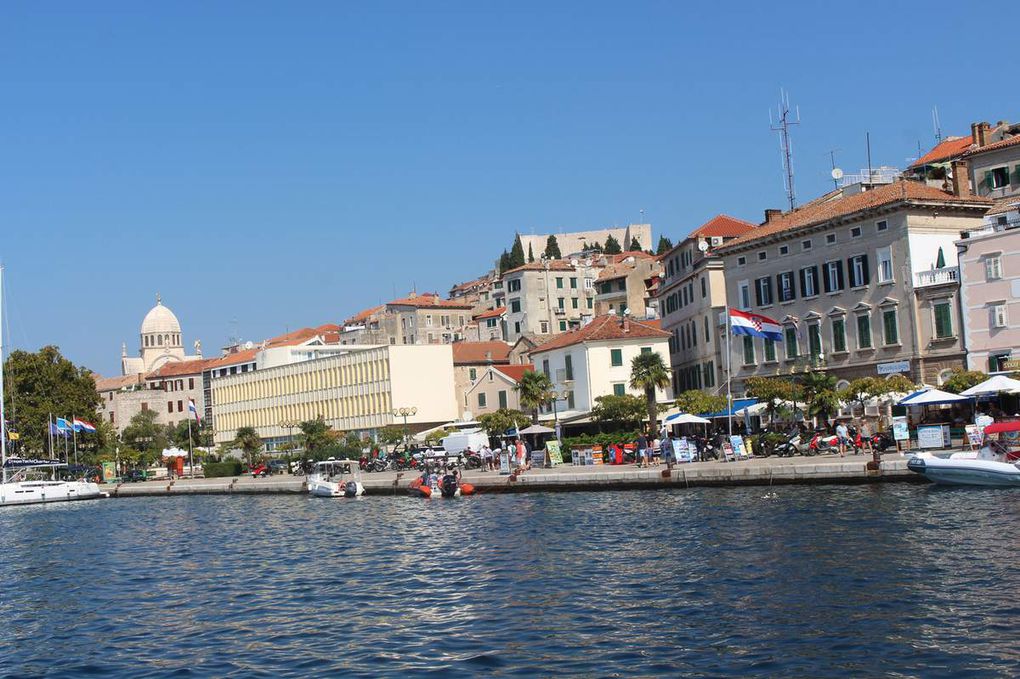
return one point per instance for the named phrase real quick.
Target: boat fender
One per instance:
(425, 491)
(467, 489)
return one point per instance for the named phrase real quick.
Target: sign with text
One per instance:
(555, 454)
(893, 367)
(930, 436)
(900, 429)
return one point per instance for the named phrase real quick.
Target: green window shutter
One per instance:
(619, 390)
(988, 180)
(616, 356)
(1016, 175)
(502, 399)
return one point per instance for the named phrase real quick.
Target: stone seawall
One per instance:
(568, 478)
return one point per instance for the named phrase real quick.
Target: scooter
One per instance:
(473, 460)
(823, 443)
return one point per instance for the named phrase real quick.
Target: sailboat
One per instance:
(16, 486)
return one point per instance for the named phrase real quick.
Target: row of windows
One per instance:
(501, 395)
(324, 378)
(160, 340)
(608, 286)
(366, 405)
(685, 335)
(694, 377)
(857, 275)
(684, 296)
(855, 232)
(793, 337)
(177, 385)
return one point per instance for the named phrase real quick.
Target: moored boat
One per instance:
(335, 478)
(994, 465)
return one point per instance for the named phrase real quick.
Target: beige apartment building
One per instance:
(355, 389)
(864, 281)
(990, 298)
(691, 299)
(496, 387)
(549, 296)
(415, 319)
(994, 159)
(471, 359)
(629, 284)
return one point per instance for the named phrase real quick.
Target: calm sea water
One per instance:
(816, 581)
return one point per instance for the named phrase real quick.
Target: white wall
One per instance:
(421, 376)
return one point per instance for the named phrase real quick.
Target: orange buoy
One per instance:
(425, 491)
(416, 483)
(467, 489)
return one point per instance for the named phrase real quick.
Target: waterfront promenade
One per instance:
(760, 472)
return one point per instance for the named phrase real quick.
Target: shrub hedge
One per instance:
(220, 469)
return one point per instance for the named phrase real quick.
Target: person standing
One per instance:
(640, 446)
(842, 436)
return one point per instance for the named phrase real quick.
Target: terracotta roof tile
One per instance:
(636, 254)
(722, 225)
(601, 328)
(1004, 205)
(949, 148)
(429, 301)
(834, 204)
(176, 368)
(554, 265)
(465, 353)
(995, 146)
(492, 313)
(117, 383)
(364, 315)
(516, 371)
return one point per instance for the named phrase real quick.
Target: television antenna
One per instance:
(836, 173)
(937, 124)
(782, 126)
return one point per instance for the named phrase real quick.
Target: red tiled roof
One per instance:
(636, 254)
(428, 301)
(516, 371)
(479, 352)
(722, 225)
(176, 368)
(363, 315)
(1004, 205)
(492, 313)
(615, 271)
(468, 285)
(601, 328)
(116, 383)
(949, 148)
(995, 146)
(834, 204)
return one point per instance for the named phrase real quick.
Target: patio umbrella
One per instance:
(940, 261)
(997, 384)
(929, 397)
(686, 418)
(537, 429)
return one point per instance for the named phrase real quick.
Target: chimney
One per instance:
(961, 179)
(488, 357)
(626, 323)
(771, 214)
(983, 129)
(974, 136)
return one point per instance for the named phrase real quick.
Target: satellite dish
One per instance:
(837, 173)
(249, 345)
(703, 246)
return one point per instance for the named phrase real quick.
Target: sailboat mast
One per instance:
(3, 414)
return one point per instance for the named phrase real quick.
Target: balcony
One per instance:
(949, 275)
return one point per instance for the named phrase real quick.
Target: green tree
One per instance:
(612, 246)
(505, 418)
(813, 387)
(504, 262)
(145, 436)
(648, 372)
(773, 391)
(592, 247)
(665, 245)
(178, 434)
(517, 253)
(613, 409)
(248, 441)
(962, 380)
(696, 402)
(391, 435)
(41, 383)
(552, 248)
(534, 391)
(635, 245)
(899, 384)
(531, 254)
(316, 435)
(862, 390)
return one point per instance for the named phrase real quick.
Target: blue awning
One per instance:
(738, 404)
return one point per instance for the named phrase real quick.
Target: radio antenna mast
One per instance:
(937, 124)
(783, 128)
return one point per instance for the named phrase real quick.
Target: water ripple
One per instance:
(816, 581)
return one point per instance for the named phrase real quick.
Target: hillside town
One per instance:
(913, 273)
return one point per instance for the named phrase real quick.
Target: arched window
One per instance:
(160, 340)
(944, 376)
(145, 340)
(842, 384)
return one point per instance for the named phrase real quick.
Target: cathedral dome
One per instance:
(160, 320)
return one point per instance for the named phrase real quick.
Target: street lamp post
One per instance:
(289, 426)
(405, 413)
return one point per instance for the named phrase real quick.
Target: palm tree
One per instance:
(648, 372)
(534, 391)
(247, 439)
(817, 386)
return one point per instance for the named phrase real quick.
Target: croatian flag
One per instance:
(755, 325)
(82, 425)
(192, 409)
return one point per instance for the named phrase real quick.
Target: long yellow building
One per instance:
(354, 388)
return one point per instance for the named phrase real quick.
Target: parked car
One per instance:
(261, 469)
(277, 466)
(135, 475)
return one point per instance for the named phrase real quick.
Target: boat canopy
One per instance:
(1002, 427)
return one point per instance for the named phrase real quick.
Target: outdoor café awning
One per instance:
(738, 404)
(999, 384)
(685, 418)
(931, 397)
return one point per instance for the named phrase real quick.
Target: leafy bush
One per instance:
(215, 470)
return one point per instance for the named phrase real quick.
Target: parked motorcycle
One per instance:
(472, 460)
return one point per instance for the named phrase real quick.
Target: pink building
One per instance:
(990, 296)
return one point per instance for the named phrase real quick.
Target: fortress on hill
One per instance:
(575, 241)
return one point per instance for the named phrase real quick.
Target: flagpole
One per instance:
(74, 433)
(191, 455)
(729, 373)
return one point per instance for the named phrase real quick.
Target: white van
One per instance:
(457, 443)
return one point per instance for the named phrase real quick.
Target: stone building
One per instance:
(994, 160)
(625, 284)
(415, 319)
(159, 342)
(549, 296)
(576, 242)
(691, 300)
(496, 387)
(863, 280)
(990, 298)
(471, 359)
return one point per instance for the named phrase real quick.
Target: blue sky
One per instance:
(267, 166)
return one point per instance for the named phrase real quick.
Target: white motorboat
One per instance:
(995, 464)
(16, 485)
(336, 478)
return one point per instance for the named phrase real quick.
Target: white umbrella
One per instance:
(686, 418)
(537, 429)
(928, 397)
(175, 452)
(994, 385)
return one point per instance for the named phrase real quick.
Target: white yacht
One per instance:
(336, 478)
(17, 487)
